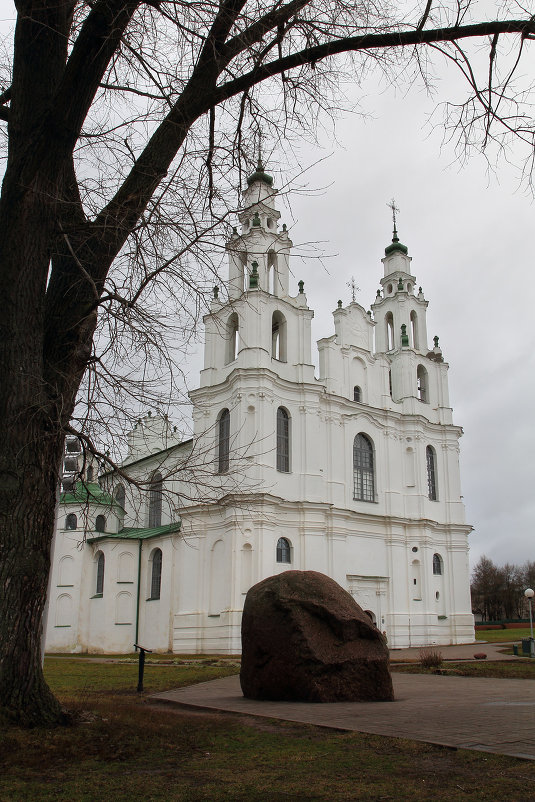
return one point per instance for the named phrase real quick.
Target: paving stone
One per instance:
(462, 712)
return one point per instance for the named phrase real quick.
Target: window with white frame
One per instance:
(99, 585)
(283, 440)
(71, 521)
(363, 469)
(431, 461)
(156, 574)
(438, 565)
(155, 500)
(284, 550)
(223, 442)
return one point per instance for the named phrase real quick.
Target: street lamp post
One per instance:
(529, 594)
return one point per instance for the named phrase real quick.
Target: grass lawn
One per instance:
(519, 669)
(501, 635)
(123, 748)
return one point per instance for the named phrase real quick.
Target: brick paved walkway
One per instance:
(491, 715)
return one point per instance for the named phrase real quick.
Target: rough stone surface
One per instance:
(304, 638)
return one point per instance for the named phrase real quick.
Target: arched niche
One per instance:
(66, 571)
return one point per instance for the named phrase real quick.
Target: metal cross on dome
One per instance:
(353, 287)
(394, 208)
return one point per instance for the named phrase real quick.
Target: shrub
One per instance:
(430, 658)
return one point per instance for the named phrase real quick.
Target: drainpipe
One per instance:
(44, 620)
(138, 590)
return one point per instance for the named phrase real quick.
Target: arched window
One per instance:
(363, 469)
(155, 500)
(100, 523)
(283, 440)
(223, 442)
(120, 496)
(156, 574)
(99, 587)
(278, 336)
(233, 325)
(71, 521)
(421, 381)
(437, 565)
(357, 393)
(90, 473)
(284, 550)
(431, 460)
(389, 323)
(273, 278)
(414, 329)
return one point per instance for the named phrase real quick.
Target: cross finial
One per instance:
(260, 165)
(394, 208)
(353, 287)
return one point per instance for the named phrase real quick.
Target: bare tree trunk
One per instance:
(32, 443)
(24, 694)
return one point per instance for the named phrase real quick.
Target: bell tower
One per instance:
(260, 324)
(400, 314)
(417, 375)
(259, 242)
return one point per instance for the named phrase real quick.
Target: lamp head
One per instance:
(529, 593)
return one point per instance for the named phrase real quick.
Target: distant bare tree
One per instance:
(498, 592)
(127, 125)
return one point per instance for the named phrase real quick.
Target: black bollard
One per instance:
(141, 666)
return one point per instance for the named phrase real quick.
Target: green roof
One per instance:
(134, 533)
(87, 491)
(260, 175)
(396, 244)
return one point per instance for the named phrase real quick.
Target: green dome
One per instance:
(260, 175)
(396, 246)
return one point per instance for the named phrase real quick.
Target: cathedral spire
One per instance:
(396, 244)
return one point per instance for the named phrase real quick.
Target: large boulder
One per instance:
(304, 638)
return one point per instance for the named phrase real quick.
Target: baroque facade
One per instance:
(354, 473)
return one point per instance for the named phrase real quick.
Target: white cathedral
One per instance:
(354, 473)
